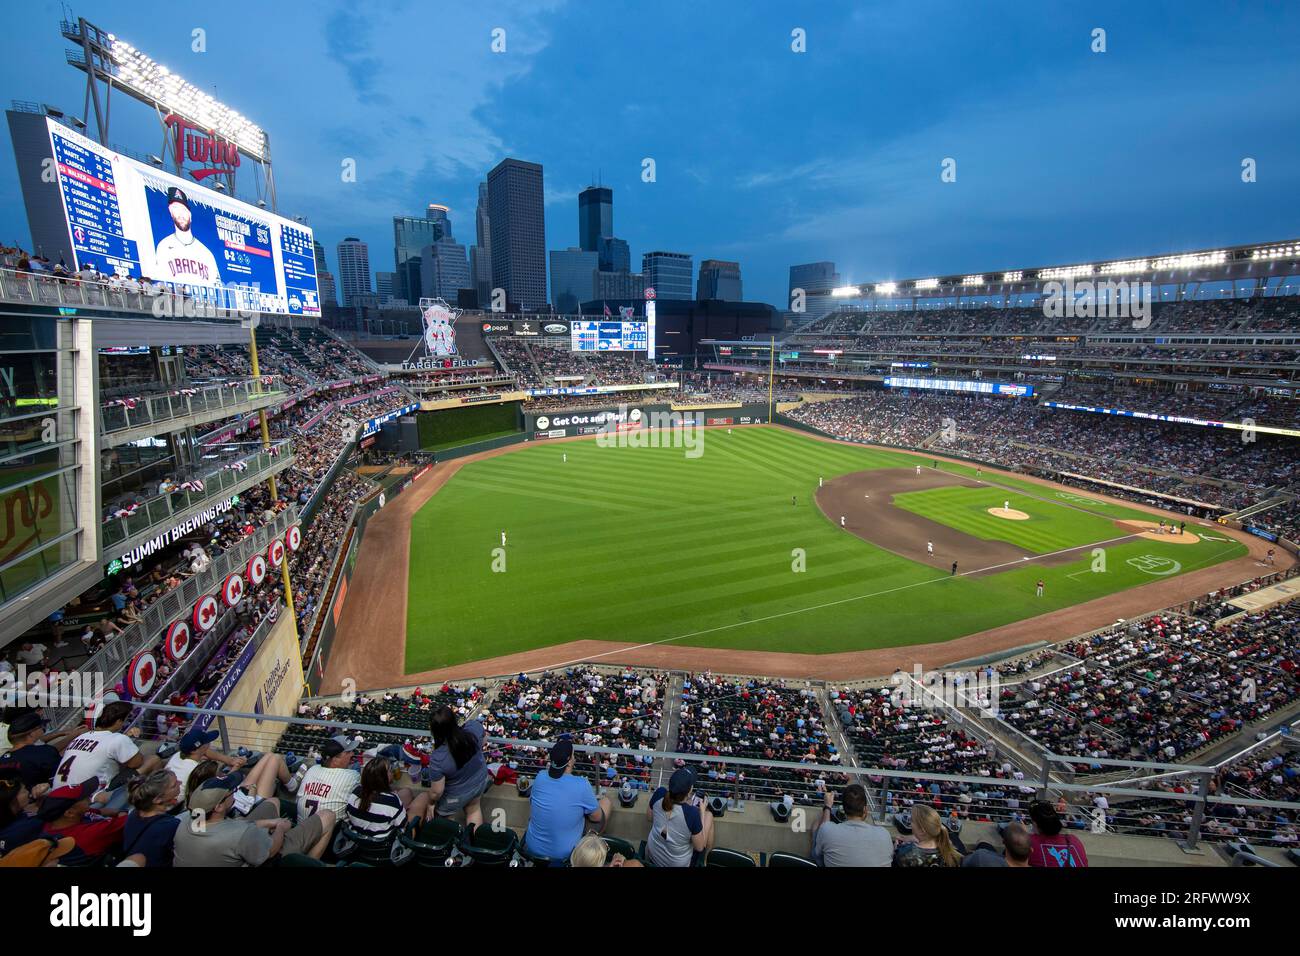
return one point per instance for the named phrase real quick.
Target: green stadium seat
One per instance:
(721, 856)
(487, 847)
(789, 860)
(299, 859)
(352, 847)
(616, 845)
(434, 842)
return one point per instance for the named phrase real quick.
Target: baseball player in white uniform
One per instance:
(327, 785)
(181, 257)
(929, 548)
(503, 539)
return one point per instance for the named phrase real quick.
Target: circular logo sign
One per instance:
(634, 415)
(177, 643)
(206, 613)
(275, 553)
(293, 538)
(256, 570)
(141, 674)
(649, 292)
(543, 423)
(232, 589)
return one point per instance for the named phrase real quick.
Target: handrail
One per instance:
(122, 414)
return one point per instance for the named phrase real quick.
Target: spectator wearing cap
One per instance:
(1015, 849)
(17, 823)
(212, 837)
(328, 784)
(457, 773)
(196, 746)
(1048, 846)
(43, 851)
(855, 841)
(681, 828)
(66, 813)
(151, 826)
(30, 757)
(560, 805)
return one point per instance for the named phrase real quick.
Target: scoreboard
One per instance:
(608, 336)
(958, 385)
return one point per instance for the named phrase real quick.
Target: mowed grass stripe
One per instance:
(642, 544)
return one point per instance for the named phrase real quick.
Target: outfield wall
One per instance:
(459, 424)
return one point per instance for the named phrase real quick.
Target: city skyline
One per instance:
(809, 162)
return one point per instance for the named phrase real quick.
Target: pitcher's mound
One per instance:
(1011, 514)
(1151, 530)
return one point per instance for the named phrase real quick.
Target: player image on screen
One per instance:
(181, 256)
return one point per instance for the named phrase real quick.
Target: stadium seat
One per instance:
(488, 847)
(536, 859)
(789, 860)
(615, 845)
(352, 847)
(720, 856)
(434, 842)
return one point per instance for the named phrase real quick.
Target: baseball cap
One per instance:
(57, 801)
(26, 723)
(338, 744)
(561, 751)
(195, 739)
(175, 194)
(211, 793)
(680, 783)
(38, 852)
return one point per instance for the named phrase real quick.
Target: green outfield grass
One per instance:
(645, 544)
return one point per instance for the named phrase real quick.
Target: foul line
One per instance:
(817, 607)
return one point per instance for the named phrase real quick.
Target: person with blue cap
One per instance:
(195, 747)
(681, 826)
(561, 804)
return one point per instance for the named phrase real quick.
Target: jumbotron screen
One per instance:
(609, 336)
(958, 385)
(129, 219)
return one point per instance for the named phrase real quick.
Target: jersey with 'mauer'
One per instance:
(326, 788)
(186, 263)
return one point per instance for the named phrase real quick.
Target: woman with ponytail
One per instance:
(930, 844)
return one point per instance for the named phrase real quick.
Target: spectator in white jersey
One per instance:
(328, 785)
(196, 746)
(107, 755)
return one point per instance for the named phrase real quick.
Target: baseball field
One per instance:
(767, 541)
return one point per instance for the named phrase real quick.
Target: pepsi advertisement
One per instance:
(129, 219)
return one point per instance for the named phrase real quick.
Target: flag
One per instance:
(607, 312)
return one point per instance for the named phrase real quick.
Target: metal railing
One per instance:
(43, 288)
(112, 659)
(164, 508)
(122, 414)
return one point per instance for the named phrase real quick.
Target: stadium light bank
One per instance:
(654, 429)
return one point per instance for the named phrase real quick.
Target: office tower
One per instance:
(354, 269)
(444, 270)
(595, 217)
(670, 274)
(719, 279)
(572, 278)
(812, 277)
(518, 231)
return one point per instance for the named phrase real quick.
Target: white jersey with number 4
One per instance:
(99, 753)
(185, 263)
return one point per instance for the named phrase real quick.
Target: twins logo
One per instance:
(1156, 565)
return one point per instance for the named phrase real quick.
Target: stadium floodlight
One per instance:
(1129, 265)
(887, 288)
(926, 284)
(1276, 252)
(1190, 261)
(157, 84)
(261, 204)
(1065, 272)
(973, 280)
(1016, 276)
(846, 291)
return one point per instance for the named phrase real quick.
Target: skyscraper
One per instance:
(720, 279)
(324, 278)
(812, 277)
(354, 269)
(614, 254)
(518, 232)
(410, 235)
(595, 217)
(480, 254)
(572, 278)
(444, 270)
(670, 274)
(385, 283)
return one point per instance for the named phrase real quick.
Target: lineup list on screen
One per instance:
(608, 336)
(94, 215)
